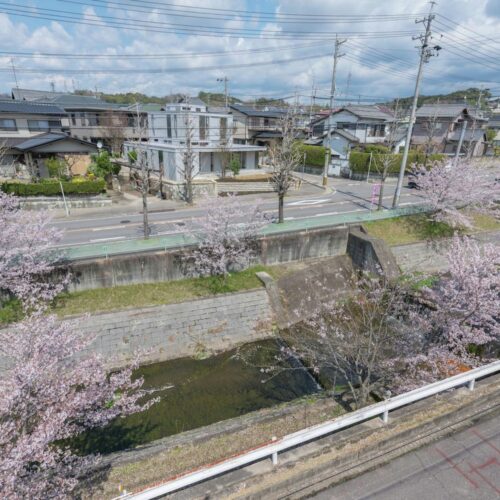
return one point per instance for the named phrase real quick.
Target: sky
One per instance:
(268, 48)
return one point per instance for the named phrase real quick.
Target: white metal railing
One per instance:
(303, 436)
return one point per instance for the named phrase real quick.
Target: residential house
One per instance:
(211, 139)
(351, 126)
(31, 132)
(438, 128)
(91, 119)
(256, 126)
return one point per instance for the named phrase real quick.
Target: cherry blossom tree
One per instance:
(450, 189)
(463, 317)
(52, 391)
(285, 158)
(27, 256)
(358, 339)
(226, 236)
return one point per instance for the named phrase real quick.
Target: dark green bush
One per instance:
(315, 155)
(359, 162)
(52, 188)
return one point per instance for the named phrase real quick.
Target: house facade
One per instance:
(438, 128)
(32, 132)
(211, 134)
(91, 119)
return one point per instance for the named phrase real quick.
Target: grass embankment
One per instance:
(152, 294)
(413, 228)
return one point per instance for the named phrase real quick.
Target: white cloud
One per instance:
(378, 67)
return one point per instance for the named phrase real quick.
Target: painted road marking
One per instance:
(107, 239)
(306, 202)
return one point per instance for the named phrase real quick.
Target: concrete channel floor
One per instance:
(465, 465)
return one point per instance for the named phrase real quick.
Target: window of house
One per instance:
(8, 124)
(169, 126)
(73, 118)
(43, 124)
(223, 128)
(175, 125)
(203, 123)
(93, 119)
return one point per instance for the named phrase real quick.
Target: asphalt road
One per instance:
(465, 465)
(113, 225)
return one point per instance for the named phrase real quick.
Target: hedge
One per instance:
(359, 162)
(315, 155)
(53, 188)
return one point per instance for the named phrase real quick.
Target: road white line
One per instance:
(107, 227)
(99, 240)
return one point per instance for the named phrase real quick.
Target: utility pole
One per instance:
(14, 71)
(225, 80)
(425, 54)
(460, 141)
(336, 56)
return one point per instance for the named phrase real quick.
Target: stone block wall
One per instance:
(197, 327)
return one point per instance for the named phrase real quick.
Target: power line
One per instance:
(468, 29)
(125, 6)
(158, 27)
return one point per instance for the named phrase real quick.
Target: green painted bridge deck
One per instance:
(153, 244)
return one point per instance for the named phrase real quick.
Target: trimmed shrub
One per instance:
(51, 187)
(359, 162)
(315, 155)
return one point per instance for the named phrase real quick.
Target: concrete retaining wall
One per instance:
(168, 265)
(52, 202)
(371, 254)
(193, 328)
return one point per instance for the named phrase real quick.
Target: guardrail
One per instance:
(381, 409)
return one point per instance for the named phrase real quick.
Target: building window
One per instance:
(203, 122)
(223, 128)
(169, 126)
(43, 124)
(8, 124)
(175, 126)
(73, 119)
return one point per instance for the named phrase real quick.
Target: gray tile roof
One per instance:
(29, 107)
(31, 94)
(446, 110)
(71, 101)
(367, 111)
(345, 135)
(40, 140)
(249, 111)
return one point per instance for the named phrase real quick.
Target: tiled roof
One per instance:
(249, 111)
(446, 110)
(373, 112)
(42, 139)
(478, 135)
(71, 101)
(29, 107)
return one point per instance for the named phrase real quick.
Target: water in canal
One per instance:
(202, 392)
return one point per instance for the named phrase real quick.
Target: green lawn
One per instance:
(150, 294)
(412, 228)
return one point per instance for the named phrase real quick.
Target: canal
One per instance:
(198, 392)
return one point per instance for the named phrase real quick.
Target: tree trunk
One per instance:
(381, 195)
(189, 192)
(281, 217)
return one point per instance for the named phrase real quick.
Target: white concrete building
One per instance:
(211, 139)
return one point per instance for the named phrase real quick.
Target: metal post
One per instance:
(471, 384)
(369, 166)
(64, 198)
(325, 168)
(385, 416)
(460, 142)
(425, 54)
(274, 456)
